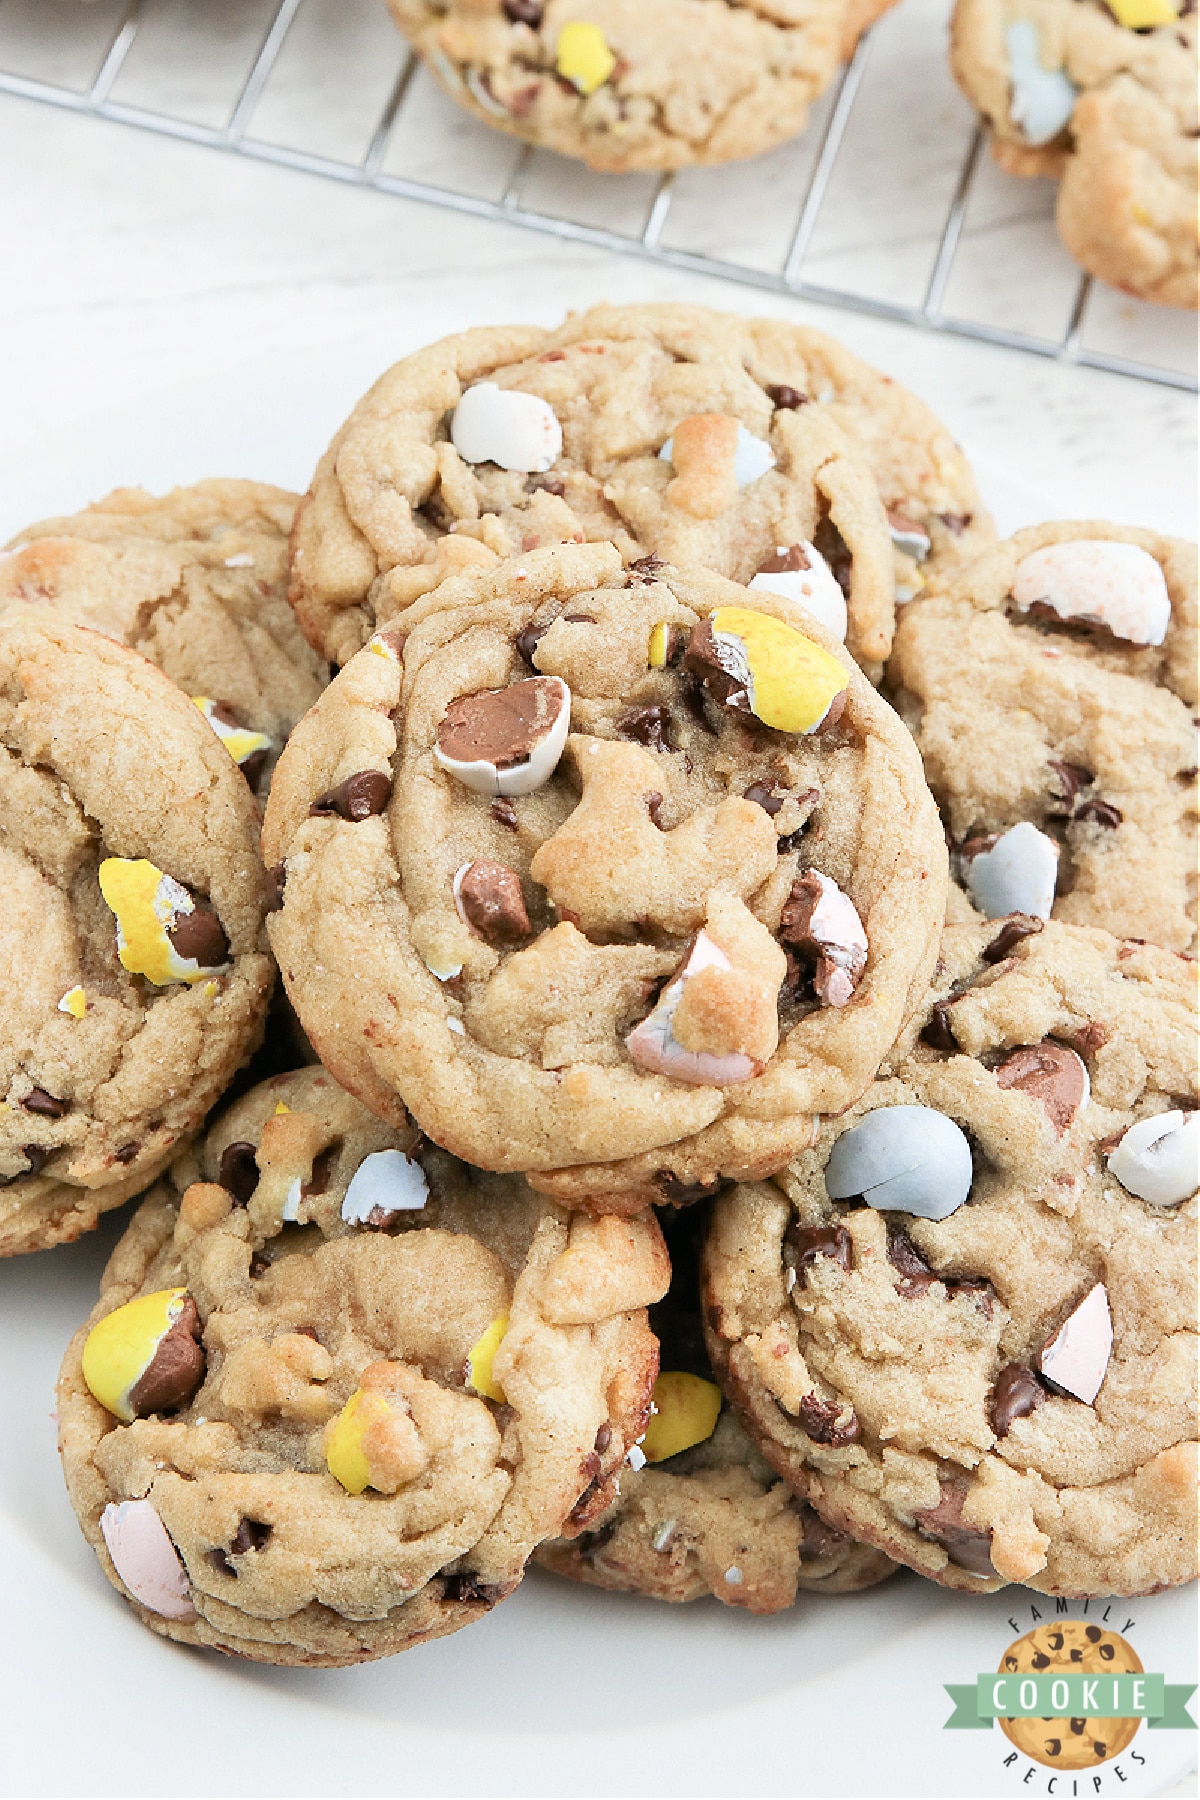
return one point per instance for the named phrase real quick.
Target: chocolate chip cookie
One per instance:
(1050, 686)
(626, 86)
(195, 581)
(963, 1324)
(134, 971)
(334, 1395)
(1102, 94)
(700, 1511)
(754, 447)
(614, 876)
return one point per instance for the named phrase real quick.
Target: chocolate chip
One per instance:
(198, 936)
(654, 807)
(221, 1563)
(1099, 812)
(504, 813)
(1016, 1393)
(251, 1534)
(956, 523)
(36, 1157)
(360, 796)
(1072, 777)
(787, 399)
(523, 12)
(689, 1193)
(1048, 1072)
(648, 725)
(966, 1545)
(548, 483)
(260, 1262)
(817, 1539)
(579, 619)
(237, 1172)
(490, 899)
(823, 1422)
(828, 540)
(175, 1370)
(323, 1165)
(766, 795)
(916, 1275)
(644, 571)
(276, 880)
(528, 640)
(252, 767)
(693, 692)
(937, 1034)
(1013, 930)
(37, 1100)
(127, 1153)
(603, 1437)
(808, 1242)
(469, 1587)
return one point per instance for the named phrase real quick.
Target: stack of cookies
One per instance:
(731, 1124)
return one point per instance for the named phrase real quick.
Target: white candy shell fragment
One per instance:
(1075, 1359)
(503, 426)
(800, 573)
(1158, 1159)
(1017, 875)
(902, 1159)
(1042, 100)
(386, 1182)
(518, 733)
(752, 458)
(1093, 581)
(146, 1559)
(653, 1046)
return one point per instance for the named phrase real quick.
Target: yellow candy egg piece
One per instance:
(240, 742)
(660, 646)
(145, 903)
(344, 1453)
(792, 680)
(583, 57)
(481, 1358)
(686, 1412)
(1138, 15)
(74, 1001)
(118, 1349)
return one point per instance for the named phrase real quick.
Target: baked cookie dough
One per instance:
(134, 970)
(1050, 686)
(965, 1329)
(702, 1512)
(614, 876)
(334, 1395)
(623, 85)
(196, 581)
(500, 440)
(1102, 94)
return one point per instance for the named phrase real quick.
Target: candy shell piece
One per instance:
(145, 1558)
(659, 650)
(1143, 15)
(74, 1002)
(1158, 1159)
(1095, 581)
(790, 682)
(151, 908)
(386, 1182)
(1075, 1360)
(583, 57)
(240, 742)
(752, 456)
(508, 741)
(344, 1454)
(800, 573)
(1017, 875)
(653, 1046)
(120, 1347)
(902, 1159)
(686, 1409)
(1042, 99)
(481, 1357)
(516, 431)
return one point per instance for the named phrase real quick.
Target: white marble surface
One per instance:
(138, 269)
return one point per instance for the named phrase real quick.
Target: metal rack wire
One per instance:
(788, 275)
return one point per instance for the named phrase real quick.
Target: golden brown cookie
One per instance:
(135, 971)
(613, 876)
(334, 1395)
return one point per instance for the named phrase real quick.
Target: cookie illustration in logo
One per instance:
(1070, 1647)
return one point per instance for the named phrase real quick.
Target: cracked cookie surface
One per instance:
(395, 507)
(196, 581)
(1108, 107)
(491, 958)
(1054, 721)
(1002, 1390)
(403, 1374)
(135, 967)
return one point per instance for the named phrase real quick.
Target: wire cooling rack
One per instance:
(887, 205)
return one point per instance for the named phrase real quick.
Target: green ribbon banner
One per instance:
(1058, 1696)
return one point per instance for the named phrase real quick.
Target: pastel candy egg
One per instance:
(583, 56)
(145, 1558)
(144, 1357)
(345, 1455)
(799, 572)
(162, 933)
(1158, 1159)
(1042, 100)
(482, 1356)
(385, 1182)
(752, 456)
(507, 741)
(1017, 875)
(1094, 581)
(1075, 1360)
(902, 1159)
(504, 426)
(755, 663)
(654, 1046)
(685, 1412)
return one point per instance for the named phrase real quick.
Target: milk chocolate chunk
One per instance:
(238, 1172)
(822, 925)
(786, 398)
(966, 1545)
(1017, 1392)
(37, 1100)
(937, 1034)
(175, 1371)
(489, 898)
(200, 937)
(829, 1422)
(1051, 1073)
(504, 813)
(702, 658)
(504, 729)
(1011, 933)
(361, 796)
